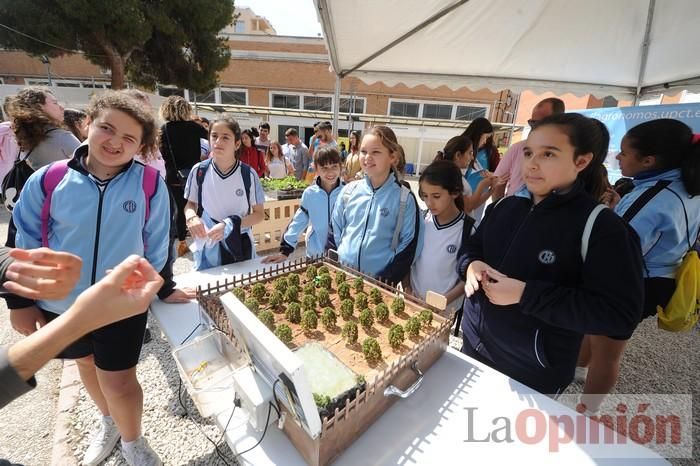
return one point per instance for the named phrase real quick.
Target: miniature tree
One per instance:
(293, 279)
(324, 297)
(310, 289)
(322, 401)
(252, 304)
(325, 281)
(308, 303)
(350, 332)
(323, 270)
(361, 300)
(426, 317)
(258, 291)
(267, 318)
(375, 296)
(347, 307)
(340, 277)
(284, 333)
(276, 299)
(381, 312)
(344, 291)
(293, 313)
(292, 294)
(366, 319)
(311, 272)
(239, 293)
(329, 319)
(398, 306)
(309, 321)
(413, 325)
(358, 284)
(396, 336)
(371, 350)
(281, 284)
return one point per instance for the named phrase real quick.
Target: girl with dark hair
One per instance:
(446, 229)
(550, 264)
(460, 150)
(76, 122)
(249, 154)
(485, 161)
(663, 158)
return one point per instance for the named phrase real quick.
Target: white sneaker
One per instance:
(102, 442)
(140, 453)
(580, 374)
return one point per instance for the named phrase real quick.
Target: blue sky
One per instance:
(288, 17)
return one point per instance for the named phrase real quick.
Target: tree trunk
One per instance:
(117, 64)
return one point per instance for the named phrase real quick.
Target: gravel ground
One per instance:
(655, 362)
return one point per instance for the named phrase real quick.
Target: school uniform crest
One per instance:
(547, 257)
(129, 206)
(240, 192)
(451, 248)
(384, 211)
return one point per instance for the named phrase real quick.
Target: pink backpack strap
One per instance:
(149, 184)
(53, 175)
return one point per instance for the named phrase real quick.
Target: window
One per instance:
(285, 101)
(443, 112)
(239, 27)
(312, 102)
(357, 107)
(205, 98)
(404, 109)
(231, 97)
(168, 91)
(468, 113)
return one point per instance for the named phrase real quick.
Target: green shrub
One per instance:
(276, 299)
(310, 289)
(293, 279)
(426, 317)
(344, 291)
(293, 313)
(252, 304)
(396, 336)
(308, 303)
(412, 326)
(267, 318)
(239, 293)
(325, 281)
(322, 401)
(309, 321)
(292, 294)
(381, 312)
(323, 270)
(375, 296)
(324, 297)
(398, 306)
(340, 277)
(350, 332)
(371, 350)
(280, 284)
(311, 272)
(361, 300)
(284, 333)
(358, 284)
(329, 319)
(258, 291)
(366, 319)
(347, 308)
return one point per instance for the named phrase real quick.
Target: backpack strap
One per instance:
(149, 183)
(52, 176)
(246, 175)
(644, 199)
(399, 222)
(586, 237)
(199, 177)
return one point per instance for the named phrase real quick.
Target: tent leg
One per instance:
(336, 105)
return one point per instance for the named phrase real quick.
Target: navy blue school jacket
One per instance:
(537, 340)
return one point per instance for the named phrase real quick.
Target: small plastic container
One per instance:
(207, 365)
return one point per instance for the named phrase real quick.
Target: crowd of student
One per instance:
(532, 273)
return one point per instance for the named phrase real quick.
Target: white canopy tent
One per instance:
(623, 48)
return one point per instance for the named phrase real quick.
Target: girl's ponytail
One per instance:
(690, 167)
(595, 176)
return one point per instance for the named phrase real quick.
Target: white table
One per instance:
(431, 426)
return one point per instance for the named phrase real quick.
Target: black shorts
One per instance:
(115, 347)
(657, 292)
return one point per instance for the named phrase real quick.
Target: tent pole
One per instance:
(336, 105)
(512, 122)
(645, 51)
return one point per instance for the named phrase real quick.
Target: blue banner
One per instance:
(619, 120)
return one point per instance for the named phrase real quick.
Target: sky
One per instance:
(288, 17)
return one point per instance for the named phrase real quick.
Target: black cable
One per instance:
(191, 333)
(267, 422)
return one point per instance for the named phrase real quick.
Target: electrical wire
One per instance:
(190, 334)
(267, 422)
(36, 39)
